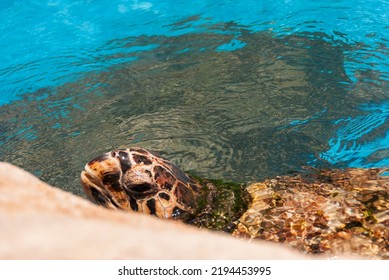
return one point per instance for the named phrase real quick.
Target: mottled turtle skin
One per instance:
(139, 180)
(328, 211)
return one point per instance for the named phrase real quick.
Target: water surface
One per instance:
(239, 90)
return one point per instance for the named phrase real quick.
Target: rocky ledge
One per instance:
(38, 221)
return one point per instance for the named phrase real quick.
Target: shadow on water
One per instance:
(269, 107)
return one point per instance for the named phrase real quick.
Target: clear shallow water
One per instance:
(238, 90)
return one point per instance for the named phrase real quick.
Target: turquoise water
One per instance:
(235, 89)
(50, 42)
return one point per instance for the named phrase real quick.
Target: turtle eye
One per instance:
(124, 161)
(123, 158)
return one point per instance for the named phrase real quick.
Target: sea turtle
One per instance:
(326, 211)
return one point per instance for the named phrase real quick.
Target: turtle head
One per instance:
(139, 180)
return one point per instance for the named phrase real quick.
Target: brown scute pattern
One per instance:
(113, 180)
(151, 205)
(138, 180)
(185, 196)
(164, 178)
(133, 204)
(117, 197)
(141, 159)
(164, 196)
(166, 201)
(149, 174)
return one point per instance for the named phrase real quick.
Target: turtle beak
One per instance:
(93, 175)
(93, 172)
(88, 180)
(91, 183)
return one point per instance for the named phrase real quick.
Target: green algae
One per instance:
(220, 204)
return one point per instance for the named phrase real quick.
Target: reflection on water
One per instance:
(362, 140)
(271, 106)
